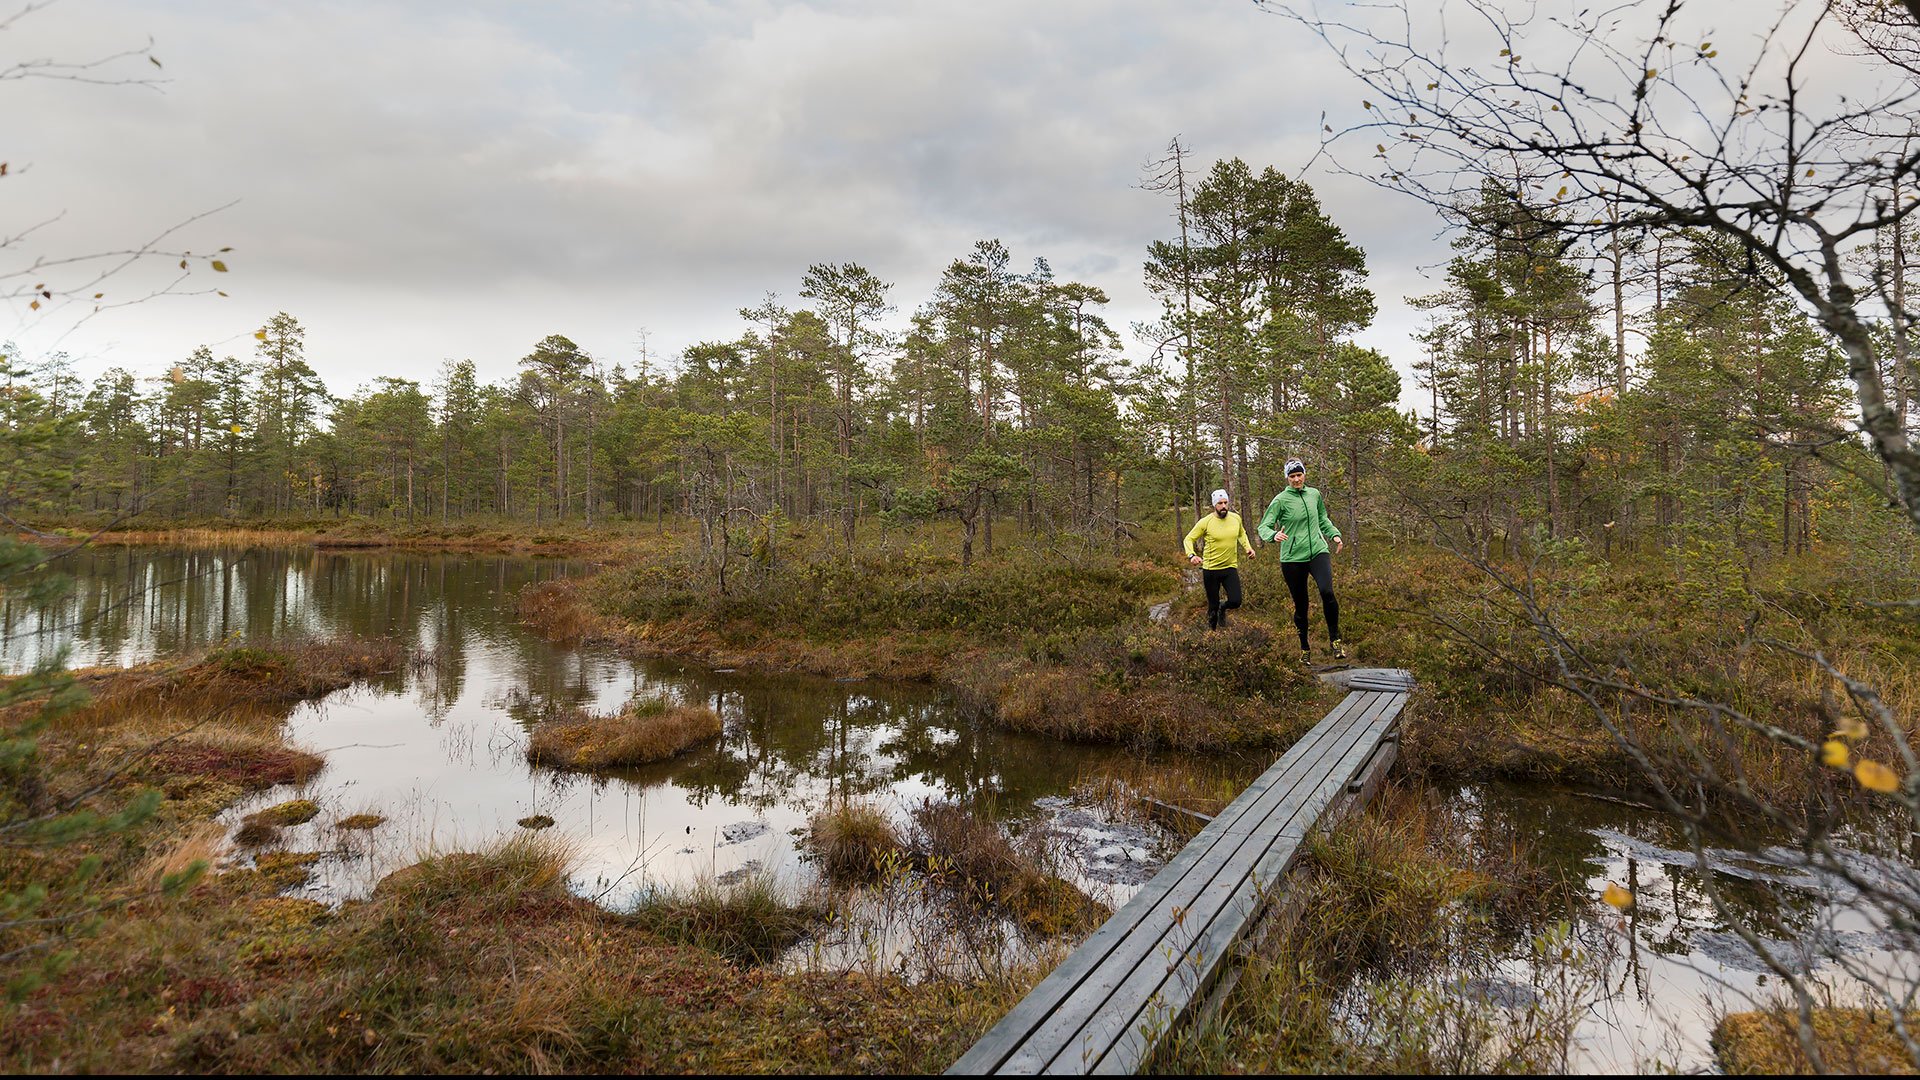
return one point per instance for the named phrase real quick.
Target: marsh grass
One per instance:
(644, 731)
(853, 843)
(1167, 793)
(981, 865)
(472, 962)
(749, 921)
(1395, 914)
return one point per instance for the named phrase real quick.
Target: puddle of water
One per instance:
(440, 751)
(1672, 963)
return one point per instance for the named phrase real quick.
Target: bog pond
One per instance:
(438, 749)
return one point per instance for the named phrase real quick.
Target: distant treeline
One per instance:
(1665, 394)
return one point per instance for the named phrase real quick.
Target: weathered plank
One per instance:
(1103, 1009)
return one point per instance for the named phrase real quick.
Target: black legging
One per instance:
(1215, 580)
(1321, 567)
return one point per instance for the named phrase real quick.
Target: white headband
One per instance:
(1218, 494)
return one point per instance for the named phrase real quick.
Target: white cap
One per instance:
(1218, 494)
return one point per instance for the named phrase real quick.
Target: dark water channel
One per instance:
(439, 750)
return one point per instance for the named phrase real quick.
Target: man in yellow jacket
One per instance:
(1223, 537)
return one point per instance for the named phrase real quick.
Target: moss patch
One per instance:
(1858, 1041)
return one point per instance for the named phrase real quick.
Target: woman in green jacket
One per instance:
(1298, 517)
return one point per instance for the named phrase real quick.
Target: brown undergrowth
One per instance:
(1485, 708)
(245, 678)
(473, 962)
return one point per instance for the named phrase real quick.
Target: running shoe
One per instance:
(1339, 650)
(1306, 657)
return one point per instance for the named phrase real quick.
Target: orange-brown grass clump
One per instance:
(854, 843)
(1862, 1042)
(749, 921)
(988, 869)
(645, 731)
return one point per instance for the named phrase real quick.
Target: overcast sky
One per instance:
(416, 182)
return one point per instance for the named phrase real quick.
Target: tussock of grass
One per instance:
(1856, 1041)
(643, 732)
(992, 871)
(748, 922)
(535, 822)
(854, 843)
(515, 869)
(1141, 789)
(360, 822)
(247, 759)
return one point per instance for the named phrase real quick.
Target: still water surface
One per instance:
(439, 750)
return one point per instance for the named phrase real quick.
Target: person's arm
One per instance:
(1193, 534)
(1269, 523)
(1326, 523)
(1246, 541)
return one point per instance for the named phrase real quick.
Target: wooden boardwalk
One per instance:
(1145, 970)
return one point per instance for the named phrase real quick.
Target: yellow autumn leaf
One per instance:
(1851, 727)
(1875, 777)
(1617, 896)
(218, 266)
(1652, 72)
(260, 335)
(1833, 754)
(237, 429)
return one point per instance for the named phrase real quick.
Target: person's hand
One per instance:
(1339, 542)
(1194, 559)
(1282, 537)
(1250, 554)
